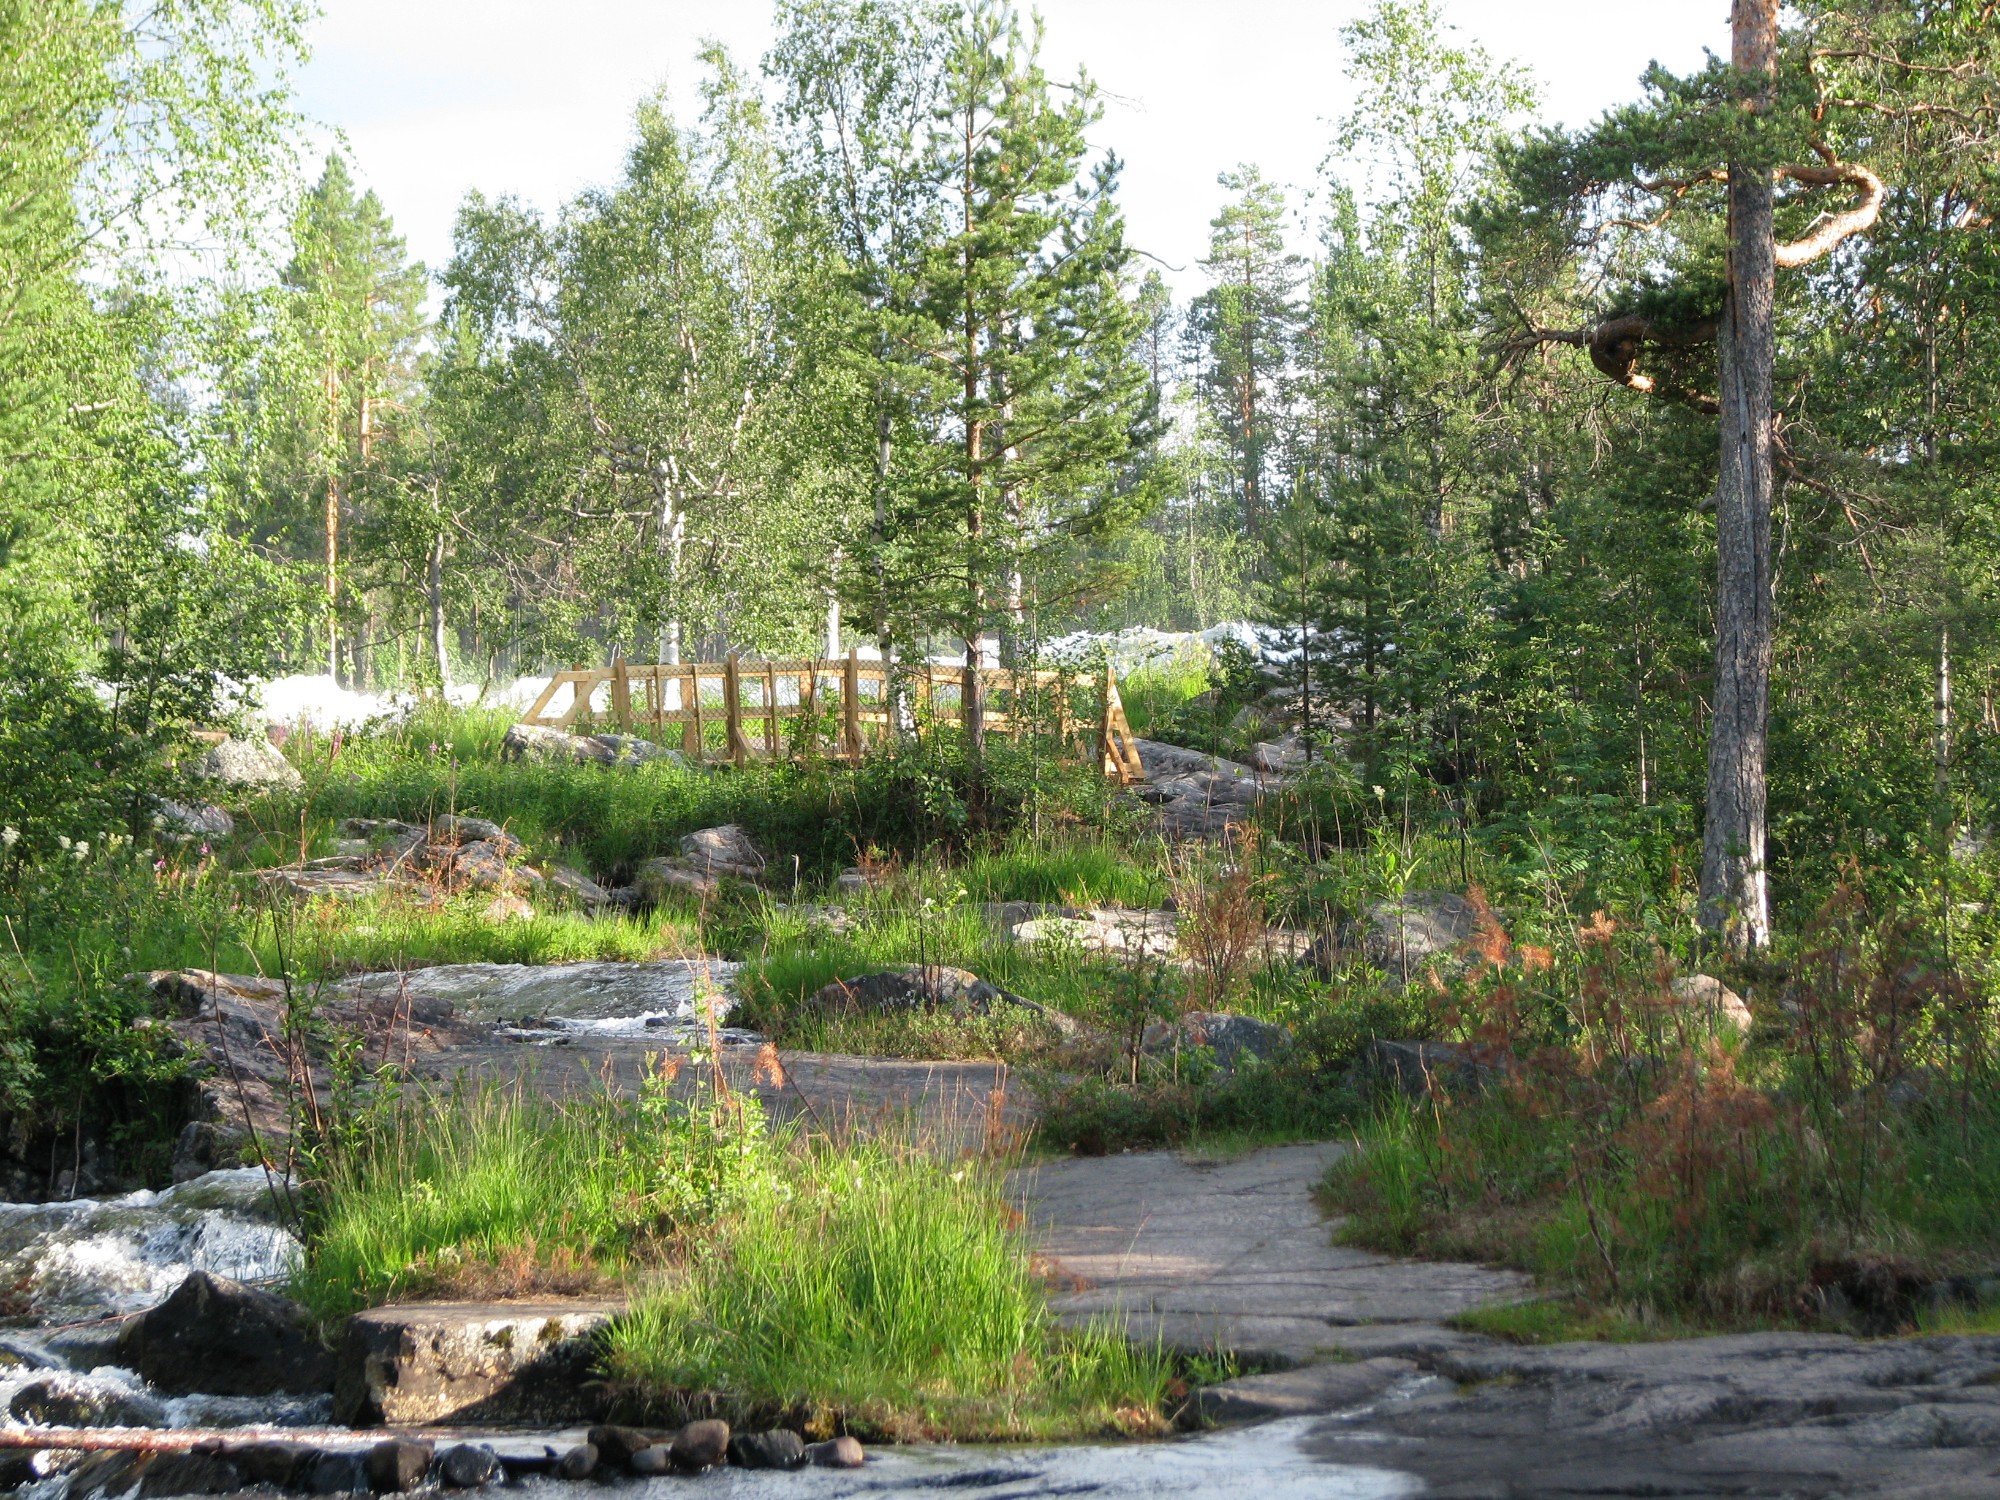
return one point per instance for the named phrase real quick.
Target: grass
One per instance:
(889, 1294)
(865, 1286)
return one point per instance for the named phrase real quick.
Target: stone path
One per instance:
(1236, 1254)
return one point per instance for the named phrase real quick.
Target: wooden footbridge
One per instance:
(739, 711)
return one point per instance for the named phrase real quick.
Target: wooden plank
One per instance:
(585, 682)
(534, 715)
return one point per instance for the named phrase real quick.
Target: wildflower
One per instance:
(62, 841)
(9, 836)
(82, 850)
(204, 851)
(159, 865)
(1380, 794)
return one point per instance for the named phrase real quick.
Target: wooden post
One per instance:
(658, 689)
(850, 704)
(1107, 753)
(621, 695)
(696, 743)
(1062, 707)
(771, 710)
(732, 707)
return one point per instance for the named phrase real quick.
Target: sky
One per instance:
(534, 98)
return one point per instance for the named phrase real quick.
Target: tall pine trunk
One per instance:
(1735, 901)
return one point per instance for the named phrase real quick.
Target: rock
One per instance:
(656, 879)
(1403, 936)
(591, 991)
(701, 1445)
(780, 1448)
(398, 1464)
(579, 887)
(843, 1452)
(202, 1146)
(467, 1466)
(1722, 1005)
(62, 1402)
(724, 850)
(388, 841)
(579, 1462)
(649, 1461)
(1149, 934)
(483, 865)
(1277, 756)
(273, 1464)
(332, 1472)
(932, 987)
(191, 1474)
(458, 1363)
(253, 764)
(541, 742)
(616, 1445)
(113, 1473)
(504, 908)
(1229, 1037)
(460, 829)
(341, 884)
(195, 820)
(226, 1339)
(853, 881)
(1416, 1067)
(1308, 1390)
(17, 1468)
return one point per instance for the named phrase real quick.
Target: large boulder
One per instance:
(541, 742)
(708, 857)
(256, 765)
(1223, 1035)
(1134, 933)
(1720, 1006)
(187, 821)
(1418, 1069)
(472, 1363)
(224, 1338)
(931, 987)
(1403, 936)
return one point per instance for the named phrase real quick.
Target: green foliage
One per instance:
(882, 1292)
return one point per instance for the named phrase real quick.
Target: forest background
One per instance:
(857, 348)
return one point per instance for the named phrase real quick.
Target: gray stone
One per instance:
(1231, 1255)
(466, 1466)
(780, 1448)
(579, 887)
(843, 1452)
(1416, 1068)
(483, 865)
(459, 1363)
(1304, 1391)
(1718, 1004)
(190, 1474)
(505, 908)
(1226, 1037)
(1402, 936)
(273, 1464)
(615, 1445)
(339, 884)
(60, 1401)
(398, 1464)
(224, 1338)
(724, 850)
(1277, 756)
(650, 1461)
(461, 829)
(333, 1472)
(1128, 933)
(700, 1445)
(542, 742)
(256, 765)
(196, 820)
(112, 1473)
(579, 1462)
(931, 987)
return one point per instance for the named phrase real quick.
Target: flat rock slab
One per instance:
(1307, 1390)
(1232, 1255)
(1795, 1415)
(457, 1363)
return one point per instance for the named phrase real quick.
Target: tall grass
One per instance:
(886, 1293)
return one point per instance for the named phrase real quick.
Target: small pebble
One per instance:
(649, 1461)
(701, 1445)
(466, 1467)
(842, 1452)
(579, 1463)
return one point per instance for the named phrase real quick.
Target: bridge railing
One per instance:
(739, 711)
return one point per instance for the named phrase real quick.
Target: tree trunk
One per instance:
(1735, 901)
(434, 587)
